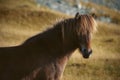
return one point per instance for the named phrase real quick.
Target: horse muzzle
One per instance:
(86, 53)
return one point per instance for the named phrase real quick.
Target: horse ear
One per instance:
(93, 15)
(77, 15)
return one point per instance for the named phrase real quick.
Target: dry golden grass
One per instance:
(100, 10)
(17, 24)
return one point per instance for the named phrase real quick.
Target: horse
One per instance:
(45, 55)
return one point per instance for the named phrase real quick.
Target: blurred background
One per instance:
(21, 19)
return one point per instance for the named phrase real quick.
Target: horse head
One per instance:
(85, 26)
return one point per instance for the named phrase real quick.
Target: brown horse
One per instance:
(44, 56)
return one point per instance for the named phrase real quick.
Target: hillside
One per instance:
(103, 13)
(70, 7)
(22, 19)
(114, 4)
(19, 23)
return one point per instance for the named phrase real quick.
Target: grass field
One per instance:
(18, 22)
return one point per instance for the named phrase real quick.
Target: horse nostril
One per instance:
(85, 50)
(90, 51)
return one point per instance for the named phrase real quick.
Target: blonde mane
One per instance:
(80, 24)
(87, 24)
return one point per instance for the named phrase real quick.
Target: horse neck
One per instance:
(53, 42)
(64, 43)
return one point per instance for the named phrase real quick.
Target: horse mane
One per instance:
(82, 24)
(87, 24)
